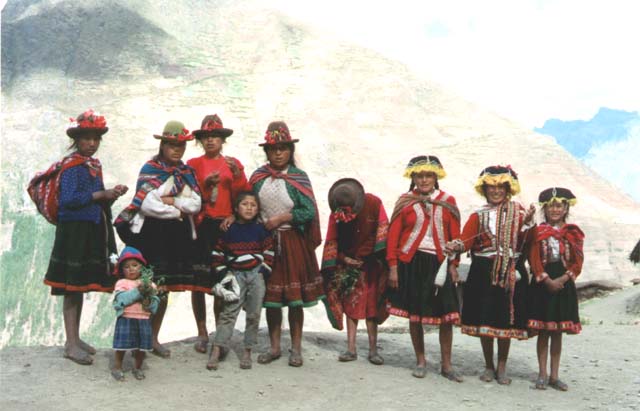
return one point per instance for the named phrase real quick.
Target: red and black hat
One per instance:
(89, 121)
(558, 194)
(277, 133)
(212, 126)
(346, 199)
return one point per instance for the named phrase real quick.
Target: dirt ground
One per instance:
(601, 366)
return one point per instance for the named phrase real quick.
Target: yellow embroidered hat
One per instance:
(496, 175)
(425, 163)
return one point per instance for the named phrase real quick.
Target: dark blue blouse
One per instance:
(75, 201)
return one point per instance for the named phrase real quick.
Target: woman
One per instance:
(353, 264)
(288, 207)
(220, 179)
(423, 220)
(159, 221)
(495, 291)
(84, 237)
(556, 261)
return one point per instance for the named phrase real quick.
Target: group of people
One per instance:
(204, 227)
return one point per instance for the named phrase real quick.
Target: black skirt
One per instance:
(80, 258)
(168, 247)
(208, 234)
(486, 309)
(554, 312)
(418, 299)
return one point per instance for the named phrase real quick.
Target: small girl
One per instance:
(556, 260)
(135, 300)
(242, 258)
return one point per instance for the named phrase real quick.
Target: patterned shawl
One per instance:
(569, 232)
(409, 199)
(301, 183)
(153, 174)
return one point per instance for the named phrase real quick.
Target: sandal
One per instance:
(201, 345)
(420, 371)
(451, 375)
(118, 375)
(295, 359)
(138, 374)
(503, 379)
(558, 385)
(347, 356)
(541, 384)
(213, 363)
(245, 363)
(268, 357)
(161, 351)
(83, 360)
(487, 375)
(375, 358)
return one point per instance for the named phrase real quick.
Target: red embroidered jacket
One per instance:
(477, 235)
(409, 228)
(570, 239)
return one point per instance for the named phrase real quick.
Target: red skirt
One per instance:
(295, 280)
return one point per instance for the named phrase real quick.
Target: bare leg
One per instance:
(503, 355)
(71, 307)
(199, 308)
(487, 350)
(372, 331)
(85, 346)
(138, 355)
(274, 322)
(117, 360)
(446, 341)
(296, 320)
(542, 348)
(556, 350)
(417, 339)
(352, 328)
(214, 358)
(156, 323)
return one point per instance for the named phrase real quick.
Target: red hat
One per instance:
(89, 121)
(277, 133)
(127, 254)
(212, 126)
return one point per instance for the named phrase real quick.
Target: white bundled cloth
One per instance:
(441, 277)
(228, 288)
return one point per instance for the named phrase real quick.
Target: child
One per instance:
(556, 260)
(135, 300)
(243, 256)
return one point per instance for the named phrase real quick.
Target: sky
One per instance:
(527, 60)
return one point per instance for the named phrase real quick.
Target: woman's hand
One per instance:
(226, 223)
(392, 282)
(121, 189)
(553, 286)
(168, 200)
(233, 166)
(452, 247)
(276, 221)
(528, 217)
(212, 179)
(353, 262)
(105, 195)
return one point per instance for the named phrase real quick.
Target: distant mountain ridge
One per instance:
(579, 136)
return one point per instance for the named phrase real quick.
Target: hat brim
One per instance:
(353, 185)
(165, 138)
(295, 140)
(78, 131)
(218, 132)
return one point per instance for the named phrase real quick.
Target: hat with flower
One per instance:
(346, 199)
(128, 253)
(559, 194)
(174, 131)
(425, 163)
(212, 126)
(277, 133)
(89, 121)
(497, 175)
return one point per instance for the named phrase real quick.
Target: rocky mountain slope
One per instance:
(358, 114)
